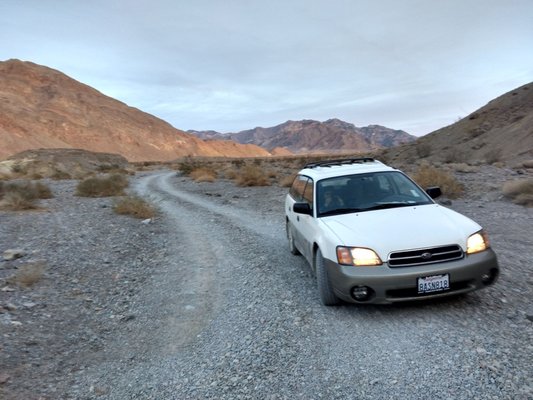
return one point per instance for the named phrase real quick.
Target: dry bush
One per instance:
(252, 176)
(60, 175)
(455, 156)
(112, 185)
(18, 196)
(14, 201)
(427, 176)
(203, 174)
(231, 173)
(464, 168)
(28, 274)
(287, 181)
(494, 155)
(423, 150)
(519, 191)
(134, 206)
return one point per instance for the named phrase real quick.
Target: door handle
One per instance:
(298, 218)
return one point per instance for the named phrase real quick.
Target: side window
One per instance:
(298, 187)
(308, 192)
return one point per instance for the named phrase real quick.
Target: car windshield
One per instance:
(366, 192)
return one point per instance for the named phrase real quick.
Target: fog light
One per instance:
(490, 277)
(361, 293)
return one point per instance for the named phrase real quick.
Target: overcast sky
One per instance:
(230, 65)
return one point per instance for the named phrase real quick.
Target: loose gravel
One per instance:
(207, 302)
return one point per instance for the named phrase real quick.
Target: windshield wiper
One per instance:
(383, 206)
(340, 211)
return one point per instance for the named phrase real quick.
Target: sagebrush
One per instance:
(17, 196)
(112, 185)
(428, 176)
(519, 191)
(134, 206)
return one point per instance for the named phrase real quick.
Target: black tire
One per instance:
(325, 291)
(290, 238)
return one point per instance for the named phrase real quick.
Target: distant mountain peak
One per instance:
(307, 135)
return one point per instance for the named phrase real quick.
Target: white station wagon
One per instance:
(373, 236)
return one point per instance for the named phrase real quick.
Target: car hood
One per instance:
(402, 228)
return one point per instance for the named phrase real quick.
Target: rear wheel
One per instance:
(325, 290)
(290, 238)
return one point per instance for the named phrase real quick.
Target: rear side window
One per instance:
(298, 187)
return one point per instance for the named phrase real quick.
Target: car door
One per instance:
(307, 223)
(296, 195)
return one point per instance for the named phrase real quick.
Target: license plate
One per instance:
(435, 283)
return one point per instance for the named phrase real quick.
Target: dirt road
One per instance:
(243, 319)
(207, 302)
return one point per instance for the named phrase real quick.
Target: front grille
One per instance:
(425, 256)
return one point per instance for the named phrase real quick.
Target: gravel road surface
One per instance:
(229, 313)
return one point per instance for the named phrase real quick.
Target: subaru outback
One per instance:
(372, 235)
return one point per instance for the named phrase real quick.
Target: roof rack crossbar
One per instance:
(345, 161)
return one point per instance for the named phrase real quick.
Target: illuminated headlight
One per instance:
(358, 256)
(477, 242)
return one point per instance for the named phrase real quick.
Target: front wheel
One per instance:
(325, 290)
(290, 238)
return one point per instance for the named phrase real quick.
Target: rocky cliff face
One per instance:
(502, 130)
(309, 136)
(43, 108)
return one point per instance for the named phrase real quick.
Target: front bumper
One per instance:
(389, 285)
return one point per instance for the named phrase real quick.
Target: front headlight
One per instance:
(477, 242)
(357, 256)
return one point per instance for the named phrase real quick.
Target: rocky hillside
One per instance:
(309, 136)
(502, 130)
(43, 108)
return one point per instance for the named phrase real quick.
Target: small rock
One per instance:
(146, 221)
(529, 316)
(7, 289)
(446, 202)
(16, 323)
(4, 378)
(13, 254)
(29, 304)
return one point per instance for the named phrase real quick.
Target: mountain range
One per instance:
(43, 108)
(309, 136)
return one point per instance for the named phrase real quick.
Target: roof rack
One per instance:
(346, 161)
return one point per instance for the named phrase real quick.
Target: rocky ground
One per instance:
(206, 302)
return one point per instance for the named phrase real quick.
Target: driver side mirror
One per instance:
(434, 192)
(302, 208)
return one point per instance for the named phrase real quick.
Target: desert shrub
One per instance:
(287, 181)
(464, 168)
(528, 164)
(252, 176)
(60, 175)
(112, 185)
(134, 206)
(186, 167)
(203, 174)
(494, 155)
(28, 274)
(427, 176)
(423, 150)
(455, 156)
(14, 201)
(237, 163)
(519, 191)
(17, 196)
